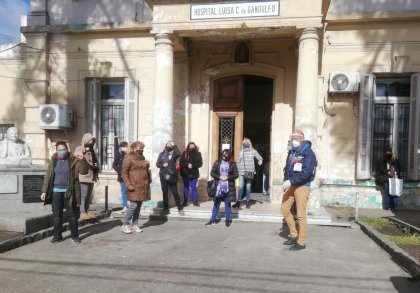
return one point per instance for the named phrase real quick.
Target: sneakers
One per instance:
(290, 241)
(124, 210)
(181, 213)
(136, 229)
(84, 216)
(297, 246)
(126, 229)
(237, 205)
(196, 204)
(56, 240)
(76, 240)
(209, 223)
(227, 223)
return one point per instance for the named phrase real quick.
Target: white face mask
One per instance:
(295, 143)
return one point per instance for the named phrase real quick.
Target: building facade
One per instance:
(214, 72)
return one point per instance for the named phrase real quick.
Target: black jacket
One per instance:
(171, 169)
(193, 158)
(117, 165)
(381, 174)
(232, 175)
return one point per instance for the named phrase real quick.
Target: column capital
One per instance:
(164, 38)
(310, 33)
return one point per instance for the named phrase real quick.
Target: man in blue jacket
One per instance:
(299, 172)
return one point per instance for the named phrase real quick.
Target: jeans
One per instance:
(216, 206)
(187, 182)
(242, 182)
(85, 196)
(124, 194)
(58, 203)
(165, 189)
(266, 183)
(133, 212)
(391, 201)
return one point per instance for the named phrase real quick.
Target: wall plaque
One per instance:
(32, 186)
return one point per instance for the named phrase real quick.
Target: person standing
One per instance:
(87, 181)
(168, 175)
(136, 175)
(61, 188)
(299, 173)
(224, 172)
(388, 167)
(246, 168)
(117, 166)
(190, 161)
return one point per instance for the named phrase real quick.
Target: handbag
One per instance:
(248, 175)
(171, 176)
(395, 186)
(211, 188)
(178, 167)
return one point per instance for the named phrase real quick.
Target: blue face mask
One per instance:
(63, 154)
(246, 145)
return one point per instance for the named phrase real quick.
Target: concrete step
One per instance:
(245, 215)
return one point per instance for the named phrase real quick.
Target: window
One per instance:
(3, 130)
(388, 117)
(112, 105)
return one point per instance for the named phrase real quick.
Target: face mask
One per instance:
(246, 145)
(192, 149)
(90, 146)
(123, 149)
(225, 159)
(140, 152)
(295, 143)
(63, 154)
(388, 156)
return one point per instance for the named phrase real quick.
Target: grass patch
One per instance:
(376, 223)
(405, 240)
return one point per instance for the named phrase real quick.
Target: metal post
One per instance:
(356, 206)
(106, 198)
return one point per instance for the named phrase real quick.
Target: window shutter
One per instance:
(414, 143)
(94, 100)
(366, 94)
(131, 105)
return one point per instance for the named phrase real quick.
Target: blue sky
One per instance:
(10, 13)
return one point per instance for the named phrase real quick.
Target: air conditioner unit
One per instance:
(56, 116)
(343, 82)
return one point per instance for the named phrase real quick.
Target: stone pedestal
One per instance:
(20, 197)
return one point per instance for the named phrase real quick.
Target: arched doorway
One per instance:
(242, 107)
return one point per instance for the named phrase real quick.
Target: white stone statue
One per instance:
(14, 151)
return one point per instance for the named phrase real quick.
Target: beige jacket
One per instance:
(90, 176)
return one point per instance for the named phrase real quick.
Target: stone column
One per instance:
(306, 110)
(164, 92)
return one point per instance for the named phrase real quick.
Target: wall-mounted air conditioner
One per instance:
(343, 82)
(56, 116)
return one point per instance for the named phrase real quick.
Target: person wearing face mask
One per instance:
(87, 181)
(168, 175)
(136, 174)
(224, 172)
(61, 188)
(388, 167)
(190, 161)
(117, 165)
(246, 169)
(299, 173)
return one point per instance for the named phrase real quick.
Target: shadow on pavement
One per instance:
(96, 229)
(404, 284)
(155, 222)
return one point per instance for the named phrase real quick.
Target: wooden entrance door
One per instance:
(228, 114)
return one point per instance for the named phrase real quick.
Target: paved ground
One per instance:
(184, 256)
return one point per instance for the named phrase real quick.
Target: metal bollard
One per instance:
(106, 198)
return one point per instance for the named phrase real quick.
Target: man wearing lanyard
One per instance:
(299, 172)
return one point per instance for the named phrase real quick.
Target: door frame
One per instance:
(238, 131)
